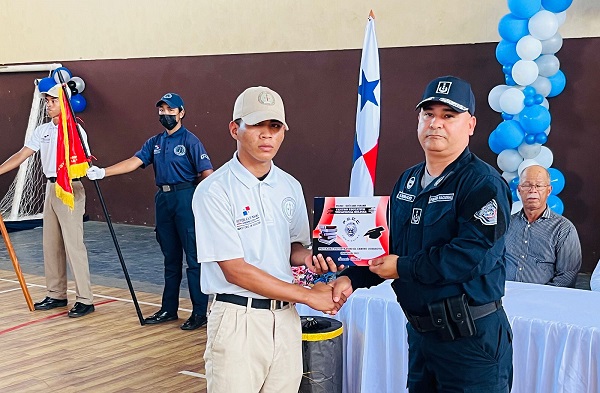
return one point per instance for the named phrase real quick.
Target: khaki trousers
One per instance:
(62, 241)
(252, 350)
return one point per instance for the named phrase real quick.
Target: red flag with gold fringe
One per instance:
(71, 162)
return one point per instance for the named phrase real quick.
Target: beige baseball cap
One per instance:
(258, 104)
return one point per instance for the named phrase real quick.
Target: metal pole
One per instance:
(104, 209)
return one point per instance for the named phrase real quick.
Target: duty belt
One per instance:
(176, 187)
(264, 304)
(425, 324)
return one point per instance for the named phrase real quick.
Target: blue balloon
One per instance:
(46, 84)
(64, 72)
(557, 180)
(512, 28)
(538, 99)
(506, 116)
(524, 8)
(515, 196)
(528, 101)
(556, 6)
(514, 183)
(530, 139)
(509, 80)
(558, 81)
(507, 69)
(506, 53)
(529, 91)
(509, 134)
(555, 204)
(78, 103)
(494, 144)
(534, 119)
(541, 138)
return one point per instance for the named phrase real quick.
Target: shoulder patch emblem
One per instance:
(488, 215)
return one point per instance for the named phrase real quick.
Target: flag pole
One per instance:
(104, 209)
(15, 263)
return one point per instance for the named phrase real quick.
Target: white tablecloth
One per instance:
(556, 339)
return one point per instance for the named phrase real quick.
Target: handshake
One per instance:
(95, 173)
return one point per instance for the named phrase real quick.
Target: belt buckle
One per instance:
(166, 188)
(275, 304)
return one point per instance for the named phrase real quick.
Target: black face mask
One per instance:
(168, 121)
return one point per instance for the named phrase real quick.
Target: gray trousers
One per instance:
(62, 242)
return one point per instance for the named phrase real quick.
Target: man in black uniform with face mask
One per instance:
(180, 162)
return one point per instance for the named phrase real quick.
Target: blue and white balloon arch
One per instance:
(527, 53)
(75, 84)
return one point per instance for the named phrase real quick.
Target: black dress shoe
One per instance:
(159, 317)
(48, 303)
(80, 309)
(194, 322)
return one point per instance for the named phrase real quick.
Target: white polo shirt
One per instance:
(239, 216)
(45, 139)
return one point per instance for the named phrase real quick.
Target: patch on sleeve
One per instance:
(488, 215)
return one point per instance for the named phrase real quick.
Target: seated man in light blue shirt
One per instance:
(542, 247)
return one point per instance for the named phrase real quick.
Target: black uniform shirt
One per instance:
(449, 236)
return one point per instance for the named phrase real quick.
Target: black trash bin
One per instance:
(322, 351)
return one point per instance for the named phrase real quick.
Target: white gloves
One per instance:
(95, 173)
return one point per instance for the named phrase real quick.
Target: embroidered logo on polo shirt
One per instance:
(204, 157)
(288, 207)
(249, 219)
(179, 150)
(488, 215)
(156, 149)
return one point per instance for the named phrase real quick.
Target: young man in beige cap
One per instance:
(251, 226)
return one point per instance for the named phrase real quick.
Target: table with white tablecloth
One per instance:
(556, 339)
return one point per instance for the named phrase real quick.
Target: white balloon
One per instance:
(511, 101)
(516, 207)
(508, 176)
(545, 158)
(552, 44)
(542, 86)
(509, 160)
(545, 103)
(547, 130)
(526, 163)
(561, 17)
(543, 25)
(529, 151)
(494, 97)
(525, 72)
(529, 48)
(548, 65)
(80, 84)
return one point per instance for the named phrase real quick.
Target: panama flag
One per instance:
(366, 140)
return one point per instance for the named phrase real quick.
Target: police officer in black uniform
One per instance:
(180, 162)
(448, 217)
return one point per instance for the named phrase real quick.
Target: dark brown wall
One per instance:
(320, 92)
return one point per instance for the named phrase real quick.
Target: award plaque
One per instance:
(351, 230)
